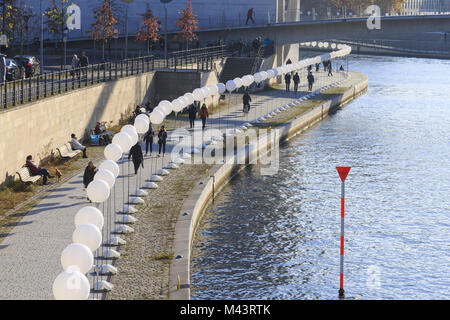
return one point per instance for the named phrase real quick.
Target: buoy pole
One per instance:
(343, 172)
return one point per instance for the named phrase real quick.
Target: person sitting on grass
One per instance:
(101, 132)
(76, 145)
(35, 170)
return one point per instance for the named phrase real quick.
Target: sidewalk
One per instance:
(30, 253)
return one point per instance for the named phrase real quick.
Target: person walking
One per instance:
(330, 69)
(137, 156)
(76, 145)
(84, 63)
(317, 67)
(296, 80)
(250, 16)
(310, 81)
(148, 138)
(192, 111)
(203, 114)
(162, 139)
(35, 170)
(287, 79)
(88, 176)
(75, 65)
(246, 99)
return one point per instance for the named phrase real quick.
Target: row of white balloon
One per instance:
(77, 258)
(165, 107)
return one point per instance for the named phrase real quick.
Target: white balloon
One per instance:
(177, 106)
(156, 117)
(258, 77)
(198, 94)
(190, 98)
(184, 102)
(77, 256)
(141, 125)
(270, 74)
(113, 152)
(98, 191)
(89, 235)
(213, 88)
(238, 82)
(221, 87)
(206, 92)
(123, 139)
(106, 176)
(90, 215)
(264, 75)
(167, 106)
(132, 133)
(110, 166)
(143, 117)
(231, 85)
(128, 127)
(71, 285)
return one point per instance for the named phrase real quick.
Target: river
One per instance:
(277, 237)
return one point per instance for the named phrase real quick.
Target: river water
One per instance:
(277, 237)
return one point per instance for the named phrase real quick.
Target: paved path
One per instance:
(30, 254)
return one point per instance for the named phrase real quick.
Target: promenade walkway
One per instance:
(30, 253)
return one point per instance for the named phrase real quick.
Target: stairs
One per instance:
(237, 67)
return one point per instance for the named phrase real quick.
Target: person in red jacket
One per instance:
(250, 16)
(203, 113)
(35, 170)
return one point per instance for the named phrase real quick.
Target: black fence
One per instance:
(13, 93)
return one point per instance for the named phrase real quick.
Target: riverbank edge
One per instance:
(201, 195)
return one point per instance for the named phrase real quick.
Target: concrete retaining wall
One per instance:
(200, 197)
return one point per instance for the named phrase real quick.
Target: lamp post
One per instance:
(126, 26)
(165, 28)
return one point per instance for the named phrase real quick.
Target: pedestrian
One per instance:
(341, 68)
(84, 63)
(148, 138)
(330, 69)
(76, 145)
(75, 65)
(317, 67)
(310, 81)
(246, 99)
(192, 111)
(250, 16)
(240, 46)
(35, 170)
(203, 114)
(296, 80)
(137, 156)
(309, 69)
(89, 174)
(2, 68)
(325, 65)
(162, 139)
(287, 79)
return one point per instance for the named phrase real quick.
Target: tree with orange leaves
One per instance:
(103, 29)
(149, 30)
(188, 24)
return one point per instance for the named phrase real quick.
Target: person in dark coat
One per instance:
(162, 139)
(246, 99)
(89, 174)
(137, 156)
(36, 170)
(287, 79)
(296, 80)
(330, 69)
(310, 81)
(203, 114)
(148, 138)
(317, 67)
(192, 115)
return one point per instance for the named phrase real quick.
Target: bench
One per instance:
(24, 175)
(65, 151)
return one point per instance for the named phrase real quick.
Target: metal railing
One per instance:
(13, 93)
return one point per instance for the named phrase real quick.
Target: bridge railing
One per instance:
(25, 90)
